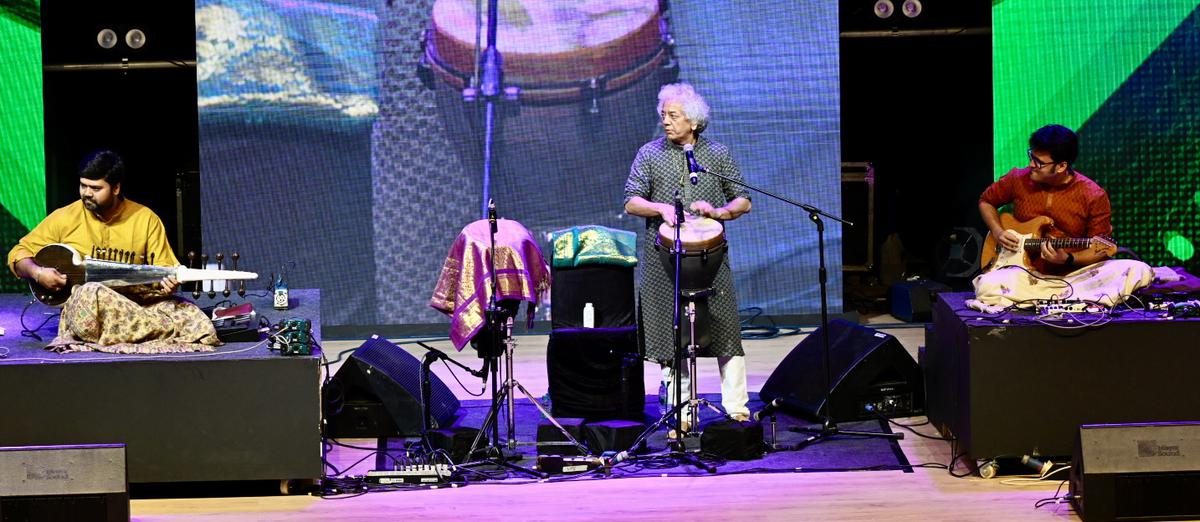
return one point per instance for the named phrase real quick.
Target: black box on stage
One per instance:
(912, 301)
(455, 441)
(613, 435)
(609, 288)
(730, 439)
(550, 441)
(596, 374)
(377, 393)
(1143, 471)
(52, 483)
(872, 374)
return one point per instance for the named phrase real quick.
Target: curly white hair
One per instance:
(694, 106)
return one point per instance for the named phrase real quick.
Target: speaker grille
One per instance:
(380, 371)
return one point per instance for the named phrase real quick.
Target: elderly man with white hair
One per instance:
(658, 172)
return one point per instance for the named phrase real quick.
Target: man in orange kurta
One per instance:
(1050, 186)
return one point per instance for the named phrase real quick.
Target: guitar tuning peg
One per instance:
(220, 260)
(93, 251)
(241, 289)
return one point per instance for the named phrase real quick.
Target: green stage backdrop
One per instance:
(1126, 75)
(22, 156)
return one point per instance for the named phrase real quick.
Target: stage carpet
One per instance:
(837, 453)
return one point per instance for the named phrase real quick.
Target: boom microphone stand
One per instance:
(828, 427)
(431, 356)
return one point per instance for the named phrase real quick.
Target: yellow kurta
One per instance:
(135, 228)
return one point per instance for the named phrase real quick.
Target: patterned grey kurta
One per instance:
(658, 170)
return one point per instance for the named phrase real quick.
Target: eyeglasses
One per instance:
(1037, 163)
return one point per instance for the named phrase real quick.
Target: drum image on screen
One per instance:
(588, 76)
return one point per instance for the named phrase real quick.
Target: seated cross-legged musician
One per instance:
(134, 319)
(1056, 243)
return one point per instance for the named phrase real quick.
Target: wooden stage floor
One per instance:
(926, 494)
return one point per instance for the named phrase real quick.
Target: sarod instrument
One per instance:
(80, 270)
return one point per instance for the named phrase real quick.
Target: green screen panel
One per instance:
(1126, 76)
(23, 194)
(22, 156)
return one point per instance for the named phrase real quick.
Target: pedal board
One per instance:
(412, 474)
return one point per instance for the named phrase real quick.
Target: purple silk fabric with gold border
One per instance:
(464, 289)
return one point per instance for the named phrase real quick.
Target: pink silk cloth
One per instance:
(464, 289)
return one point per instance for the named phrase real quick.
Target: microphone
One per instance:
(492, 215)
(767, 410)
(693, 168)
(1042, 467)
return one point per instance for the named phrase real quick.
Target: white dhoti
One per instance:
(1108, 282)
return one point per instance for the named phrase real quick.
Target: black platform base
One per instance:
(238, 414)
(1011, 386)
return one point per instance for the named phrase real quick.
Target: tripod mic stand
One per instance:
(828, 427)
(687, 442)
(493, 342)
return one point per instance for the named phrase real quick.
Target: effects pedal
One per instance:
(293, 338)
(1066, 307)
(412, 474)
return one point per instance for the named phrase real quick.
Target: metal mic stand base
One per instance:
(495, 454)
(685, 447)
(830, 429)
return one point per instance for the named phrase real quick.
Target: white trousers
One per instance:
(733, 385)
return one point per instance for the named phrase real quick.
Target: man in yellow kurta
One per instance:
(104, 219)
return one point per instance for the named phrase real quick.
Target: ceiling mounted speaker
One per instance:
(911, 8)
(135, 38)
(884, 8)
(106, 38)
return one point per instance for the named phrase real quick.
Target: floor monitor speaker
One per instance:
(1143, 471)
(870, 371)
(377, 394)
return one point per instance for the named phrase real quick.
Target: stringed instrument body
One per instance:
(79, 270)
(1033, 233)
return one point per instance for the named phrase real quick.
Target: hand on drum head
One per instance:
(667, 211)
(706, 209)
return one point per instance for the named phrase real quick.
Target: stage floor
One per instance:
(925, 494)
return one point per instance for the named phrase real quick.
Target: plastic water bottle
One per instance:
(589, 316)
(662, 398)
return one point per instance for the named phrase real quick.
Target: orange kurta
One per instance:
(1079, 208)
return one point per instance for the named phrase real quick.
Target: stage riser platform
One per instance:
(1006, 390)
(243, 413)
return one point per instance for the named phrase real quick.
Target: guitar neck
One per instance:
(1058, 242)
